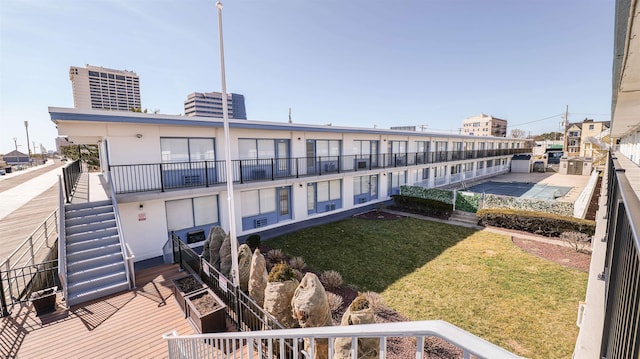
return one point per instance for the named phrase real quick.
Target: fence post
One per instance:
(3, 300)
(33, 259)
(161, 179)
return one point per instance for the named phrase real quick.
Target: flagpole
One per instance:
(227, 155)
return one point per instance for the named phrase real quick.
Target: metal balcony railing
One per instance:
(166, 176)
(621, 337)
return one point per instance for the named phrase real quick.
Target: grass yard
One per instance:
(477, 280)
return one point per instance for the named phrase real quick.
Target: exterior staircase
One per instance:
(464, 218)
(94, 256)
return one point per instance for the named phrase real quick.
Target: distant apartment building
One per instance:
(484, 125)
(102, 88)
(587, 138)
(209, 104)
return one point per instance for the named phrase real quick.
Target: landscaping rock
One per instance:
(257, 277)
(311, 309)
(244, 266)
(359, 312)
(215, 239)
(225, 257)
(277, 301)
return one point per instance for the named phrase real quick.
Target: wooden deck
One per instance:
(125, 325)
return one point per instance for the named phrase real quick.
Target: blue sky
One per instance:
(349, 63)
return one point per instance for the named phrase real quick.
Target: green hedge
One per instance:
(440, 195)
(425, 206)
(528, 204)
(547, 224)
(467, 202)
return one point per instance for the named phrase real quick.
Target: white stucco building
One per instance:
(102, 88)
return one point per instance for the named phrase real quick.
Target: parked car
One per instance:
(64, 159)
(2, 172)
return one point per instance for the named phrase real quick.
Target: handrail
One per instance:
(9, 263)
(469, 343)
(62, 239)
(126, 250)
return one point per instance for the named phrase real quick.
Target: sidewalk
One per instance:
(19, 195)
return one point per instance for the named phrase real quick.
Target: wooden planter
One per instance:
(184, 286)
(213, 320)
(44, 301)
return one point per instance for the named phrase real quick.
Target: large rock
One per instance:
(257, 277)
(368, 348)
(244, 266)
(216, 237)
(225, 257)
(311, 308)
(277, 301)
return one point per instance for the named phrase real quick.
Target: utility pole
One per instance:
(15, 143)
(26, 127)
(566, 126)
(289, 114)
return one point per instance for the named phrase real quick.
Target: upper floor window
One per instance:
(365, 147)
(187, 149)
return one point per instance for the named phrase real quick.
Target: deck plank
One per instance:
(127, 324)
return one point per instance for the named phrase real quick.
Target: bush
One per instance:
(546, 224)
(276, 255)
(331, 279)
(253, 241)
(375, 299)
(528, 204)
(468, 202)
(361, 302)
(281, 272)
(335, 301)
(578, 241)
(297, 263)
(439, 195)
(428, 207)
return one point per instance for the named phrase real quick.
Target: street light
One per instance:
(26, 127)
(227, 155)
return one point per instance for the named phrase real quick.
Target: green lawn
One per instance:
(476, 280)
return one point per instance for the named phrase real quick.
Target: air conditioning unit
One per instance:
(361, 200)
(330, 207)
(260, 222)
(330, 167)
(362, 164)
(258, 174)
(192, 180)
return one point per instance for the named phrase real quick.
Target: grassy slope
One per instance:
(478, 281)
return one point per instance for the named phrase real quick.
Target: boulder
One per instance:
(257, 277)
(244, 266)
(215, 239)
(311, 308)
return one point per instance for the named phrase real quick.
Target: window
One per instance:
(324, 196)
(187, 149)
(425, 173)
(258, 202)
(365, 148)
(591, 127)
(188, 213)
(396, 179)
(264, 207)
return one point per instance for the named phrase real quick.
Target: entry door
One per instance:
(284, 203)
(282, 158)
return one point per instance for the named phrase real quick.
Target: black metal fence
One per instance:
(17, 284)
(621, 337)
(165, 176)
(70, 175)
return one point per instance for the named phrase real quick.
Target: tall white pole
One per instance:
(227, 155)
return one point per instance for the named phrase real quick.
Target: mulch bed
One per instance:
(562, 255)
(205, 304)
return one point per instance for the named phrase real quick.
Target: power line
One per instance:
(542, 119)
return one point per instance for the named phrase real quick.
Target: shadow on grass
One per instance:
(371, 254)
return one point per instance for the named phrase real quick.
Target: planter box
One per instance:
(184, 286)
(44, 301)
(213, 320)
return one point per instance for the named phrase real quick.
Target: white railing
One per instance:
(581, 205)
(42, 237)
(62, 239)
(271, 343)
(128, 255)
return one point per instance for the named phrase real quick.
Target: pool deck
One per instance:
(553, 179)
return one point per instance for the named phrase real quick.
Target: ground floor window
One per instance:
(395, 180)
(191, 218)
(324, 196)
(365, 189)
(267, 206)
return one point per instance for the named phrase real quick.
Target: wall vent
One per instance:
(260, 222)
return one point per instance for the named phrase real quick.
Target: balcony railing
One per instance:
(166, 176)
(621, 337)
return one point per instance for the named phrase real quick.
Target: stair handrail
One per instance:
(62, 239)
(128, 255)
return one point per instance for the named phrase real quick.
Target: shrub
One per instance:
(297, 263)
(578, 241)
(253, 241)
(547, 224)
(335, 301)
(428, 207)
(298, 275)
(528, 204)
(276, 255)
(439, 195)
(359, 303)
(281, 272)
(467, 202)
(331, 279)
(375, 299)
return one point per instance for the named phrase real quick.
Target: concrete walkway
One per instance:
(20, 194)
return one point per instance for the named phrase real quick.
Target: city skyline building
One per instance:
(209, 104)
(484, 125)
(103, 88)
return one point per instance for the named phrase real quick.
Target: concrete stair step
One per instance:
(92, 243)
(79, 237)
(94, 262)
(91, 284)
(87, 274)
(105, 290)
(81, 206)
(90, 218)
(102, 250)
(90, 227)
